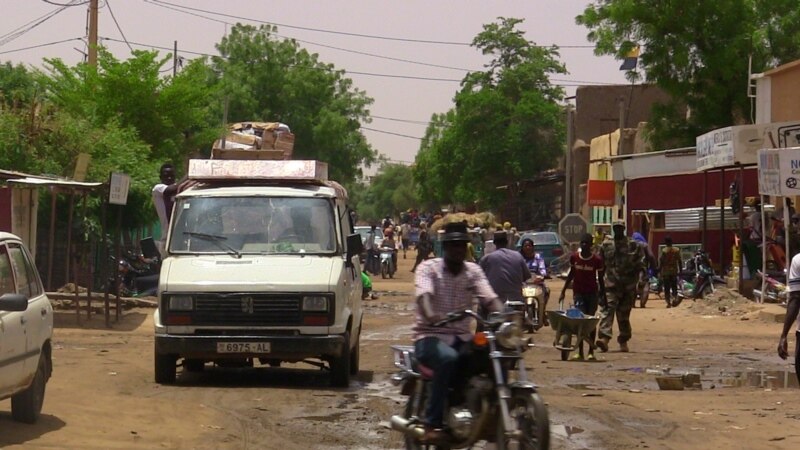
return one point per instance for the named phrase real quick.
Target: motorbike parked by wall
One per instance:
(137, 276)
(493, 400)
(698, 278)
(774, 290)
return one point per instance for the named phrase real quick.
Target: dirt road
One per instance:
(102, 394)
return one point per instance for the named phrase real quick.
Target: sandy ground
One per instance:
(102, 394)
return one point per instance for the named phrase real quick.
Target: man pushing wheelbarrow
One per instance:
(586, 276)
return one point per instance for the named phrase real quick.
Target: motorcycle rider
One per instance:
(586, 269)
(446, 285)
(536, 265)
(505, 269)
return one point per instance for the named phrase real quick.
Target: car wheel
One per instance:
(355, 357)
(194, 365)
(340, 366)
(26, 406)
(165, 368)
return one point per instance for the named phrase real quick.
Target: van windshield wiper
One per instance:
(217, 239)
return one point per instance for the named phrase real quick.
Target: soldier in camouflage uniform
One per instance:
(623, 259)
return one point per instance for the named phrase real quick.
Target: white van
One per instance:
(262, 266)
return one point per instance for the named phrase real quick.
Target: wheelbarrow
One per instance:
(568, 324)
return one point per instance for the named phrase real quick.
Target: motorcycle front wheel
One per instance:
(415, 407)
(529, 413)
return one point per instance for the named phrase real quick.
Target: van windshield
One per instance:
(253, 225)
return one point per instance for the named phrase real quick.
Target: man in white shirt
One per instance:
(164, 198)
(792, 309)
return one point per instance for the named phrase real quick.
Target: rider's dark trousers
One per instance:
(442, 358)
(670, 284)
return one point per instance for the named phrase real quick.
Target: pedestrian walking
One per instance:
(586, 276)
(623, 259)
(505, 269)
(669, 266)
(792, 309)
(405, 237)
(424, 248)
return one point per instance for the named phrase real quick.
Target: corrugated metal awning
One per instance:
(33, 181)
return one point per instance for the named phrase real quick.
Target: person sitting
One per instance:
(536, 265)
(445, 285)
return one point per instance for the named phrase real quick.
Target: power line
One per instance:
(370, 74)
(344, 33)
(41, 45)
(118, 27)
(415, 122)
(19, 31)
(392, 133)
(189, 13)
(319, 30)
(357, 52)
(66, 4)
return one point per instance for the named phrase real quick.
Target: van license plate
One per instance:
(243, 347)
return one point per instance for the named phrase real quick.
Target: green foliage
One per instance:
(698, 53)
(391, 191)
(507, 124)
(271, 79)
(170, 114)
(17, 86)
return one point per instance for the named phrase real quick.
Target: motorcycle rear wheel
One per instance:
(530, 414)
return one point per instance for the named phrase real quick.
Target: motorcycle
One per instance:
(703, 278)
(387, 262)
(533, 294)
(774, 290)
(137, 276)
(485, 403)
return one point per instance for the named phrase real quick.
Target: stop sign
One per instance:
(572, 227)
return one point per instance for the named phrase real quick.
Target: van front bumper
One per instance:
(280, 347)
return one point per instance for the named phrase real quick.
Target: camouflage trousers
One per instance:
(620, 304)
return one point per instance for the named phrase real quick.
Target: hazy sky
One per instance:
(402, 105)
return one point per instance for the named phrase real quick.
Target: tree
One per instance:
(506, 126)
(392, 190)
(171, 114)
(697, 52)
(271, 79)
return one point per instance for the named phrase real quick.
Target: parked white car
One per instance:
(26, 331)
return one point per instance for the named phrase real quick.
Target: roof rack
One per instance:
(269, 170)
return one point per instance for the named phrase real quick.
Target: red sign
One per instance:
(601, 193)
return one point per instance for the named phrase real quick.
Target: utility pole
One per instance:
(568, 163)
(93, 32)
(175, 59)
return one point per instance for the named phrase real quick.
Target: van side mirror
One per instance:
(13, 302)
(354, 246)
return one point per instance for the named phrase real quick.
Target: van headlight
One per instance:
(509, 335)
(316, 303)
(181, 303)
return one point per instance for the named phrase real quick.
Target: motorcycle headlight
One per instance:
(181, 303)
(509, 335)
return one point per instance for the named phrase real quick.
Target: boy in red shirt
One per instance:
(586, 275)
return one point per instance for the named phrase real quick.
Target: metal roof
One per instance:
(36, 181)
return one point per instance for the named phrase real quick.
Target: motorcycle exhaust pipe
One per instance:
(405, 426)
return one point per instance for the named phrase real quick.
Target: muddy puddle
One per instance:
(713, 378)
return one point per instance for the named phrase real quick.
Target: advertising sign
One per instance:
(779, 171)
(118, 188)
(739, 144)
(601, 193)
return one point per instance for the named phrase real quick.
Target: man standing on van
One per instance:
(163, 199)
